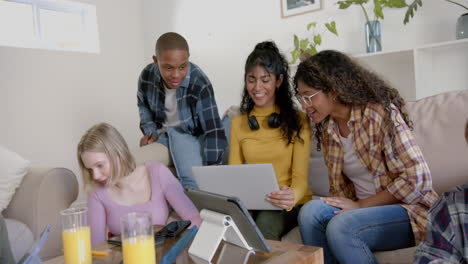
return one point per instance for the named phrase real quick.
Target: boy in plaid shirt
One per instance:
(177, 108)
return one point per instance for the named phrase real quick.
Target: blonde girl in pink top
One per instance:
(116, 186)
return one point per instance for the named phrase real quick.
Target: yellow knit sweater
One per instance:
(267, 145)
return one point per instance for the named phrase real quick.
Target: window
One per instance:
(49, 24)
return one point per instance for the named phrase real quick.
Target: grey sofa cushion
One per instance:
(21, 238)
(318, 172)
(439, 122)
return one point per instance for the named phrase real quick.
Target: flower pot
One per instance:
(462, 26)
(373, 36)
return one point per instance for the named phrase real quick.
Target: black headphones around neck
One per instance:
(273, 121)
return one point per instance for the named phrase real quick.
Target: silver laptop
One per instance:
(249, 182)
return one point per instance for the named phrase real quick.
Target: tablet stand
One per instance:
(214, 228)
(234, 254)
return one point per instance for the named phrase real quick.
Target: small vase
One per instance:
(462, 26)
(373, 36)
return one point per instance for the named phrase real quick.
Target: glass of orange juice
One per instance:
(76, 236)
(137, 238)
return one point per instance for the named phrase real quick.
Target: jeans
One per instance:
(186, 151)
(351, 236)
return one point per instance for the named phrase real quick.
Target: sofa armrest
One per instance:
(38, 201)
(153, 152)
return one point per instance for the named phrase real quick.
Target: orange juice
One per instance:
(139, 249)
(77, 245)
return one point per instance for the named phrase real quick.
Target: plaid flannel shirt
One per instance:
(447, 230)
(401, 170)
(196, 105)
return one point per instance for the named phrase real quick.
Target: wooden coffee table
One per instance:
(283, 252)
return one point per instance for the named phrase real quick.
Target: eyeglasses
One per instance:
(306, 99)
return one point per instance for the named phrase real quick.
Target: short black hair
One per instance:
(171, 41)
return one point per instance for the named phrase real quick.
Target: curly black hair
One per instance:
(333, 71)
(267, 55)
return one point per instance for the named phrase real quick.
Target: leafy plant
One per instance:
(413, 7)
(309, 47)
(379, 5)
(456, 3)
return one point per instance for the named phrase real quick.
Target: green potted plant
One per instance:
(456, 3)
(373, 42)
(306, 47)
(411, 9)
(462, 22)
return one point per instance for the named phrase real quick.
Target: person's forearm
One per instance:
(299, 187)
(148, 124)
(214, 146)
(300, 166)
(382, 198)
(235, 152)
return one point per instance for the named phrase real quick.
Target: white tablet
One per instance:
(249, 182)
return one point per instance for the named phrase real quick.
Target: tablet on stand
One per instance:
(224, 218)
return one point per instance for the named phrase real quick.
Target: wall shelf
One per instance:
(422, 71)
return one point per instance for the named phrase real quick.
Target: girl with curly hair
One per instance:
(271, 130)
(380, 184)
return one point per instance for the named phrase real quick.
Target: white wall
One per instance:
(49, 98)
(222, 33)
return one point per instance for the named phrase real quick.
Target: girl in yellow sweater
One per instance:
(271, 130)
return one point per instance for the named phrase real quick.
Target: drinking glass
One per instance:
(76, 236)
(137, 238)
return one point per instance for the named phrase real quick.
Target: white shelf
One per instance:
(446, 44)
(381, 53)
(422, 71)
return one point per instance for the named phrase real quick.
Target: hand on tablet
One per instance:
(283, 198)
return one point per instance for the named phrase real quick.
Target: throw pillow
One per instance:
(12, 170)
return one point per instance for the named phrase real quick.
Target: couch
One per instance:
(36, 203)
(439, 123)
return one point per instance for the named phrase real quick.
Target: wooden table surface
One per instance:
(282, 252)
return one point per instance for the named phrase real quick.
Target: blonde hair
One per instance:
(105, 138)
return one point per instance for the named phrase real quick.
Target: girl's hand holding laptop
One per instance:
(283, 198)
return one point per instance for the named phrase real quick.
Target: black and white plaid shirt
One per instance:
(447, 230)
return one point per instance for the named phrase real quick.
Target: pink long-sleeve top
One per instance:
(166, 192)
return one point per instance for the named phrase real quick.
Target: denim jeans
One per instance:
(351, 236)
(186, 151)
